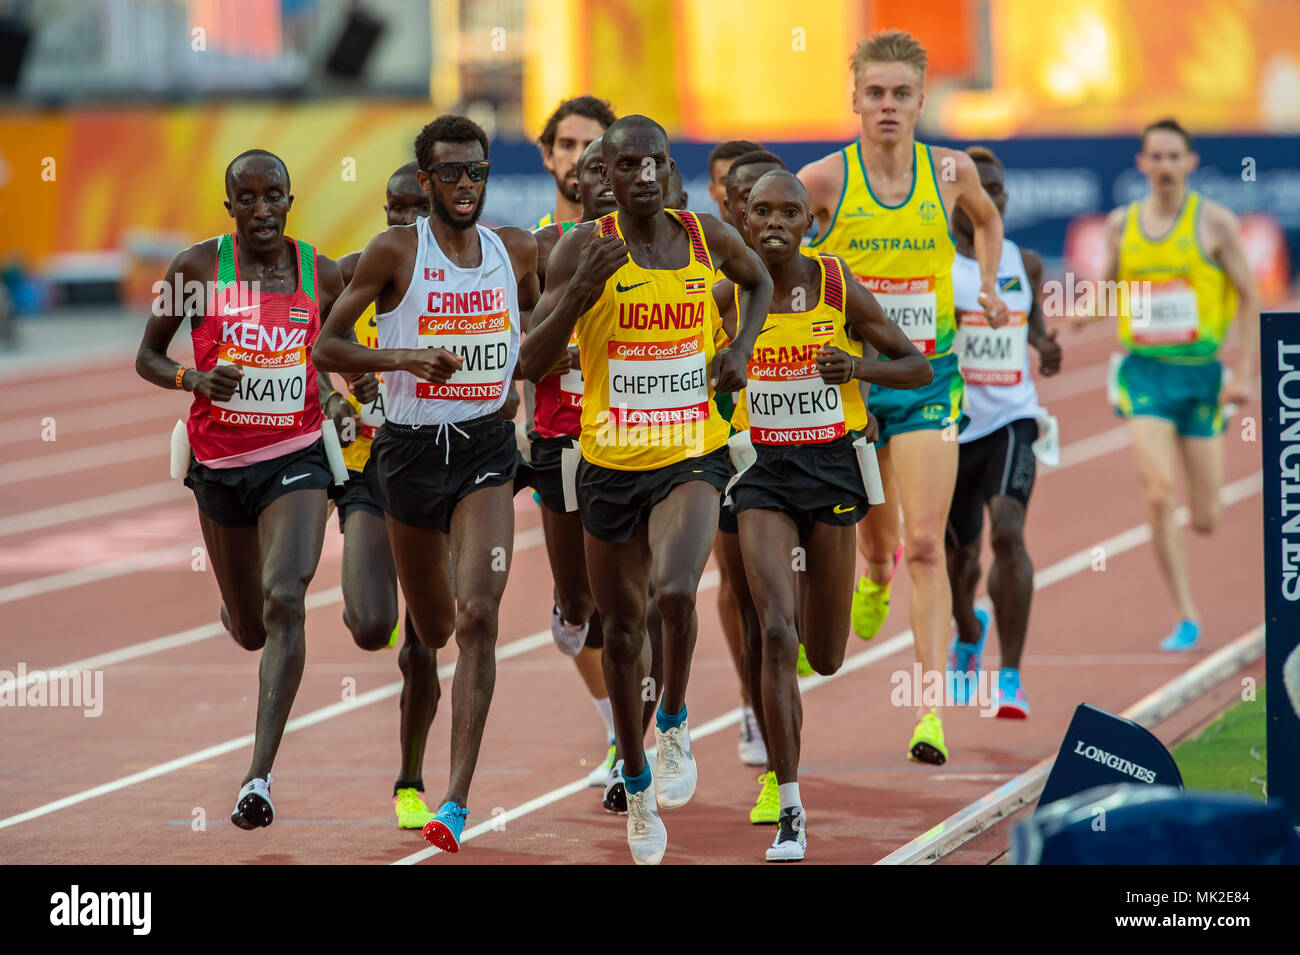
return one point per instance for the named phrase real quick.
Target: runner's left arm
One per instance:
(975, 202)
(1231, 255)
(1049, 352)
(742, 265)
(907, 367)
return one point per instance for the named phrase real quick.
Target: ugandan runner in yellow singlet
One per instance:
(805, 489)
(635, 288)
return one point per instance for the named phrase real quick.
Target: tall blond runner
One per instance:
(883, 204)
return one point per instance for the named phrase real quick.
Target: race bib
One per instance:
(1173, 317)
(273, 391)
(482, 340)
(658, 383)
(789, 403)
(372, 415)
(991, 356)
(911, 304)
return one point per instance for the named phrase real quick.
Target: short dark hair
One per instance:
(984, 154)
(230, 169)
(731, 149)
(589, 106)
(448, 128)
(751, 158)
(1170, 124)
(626, 123)
(405, 171)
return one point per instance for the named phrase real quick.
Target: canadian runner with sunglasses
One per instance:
(368, 578)
(804, 492)
(635, 286)
(448, 294)
(258, 469)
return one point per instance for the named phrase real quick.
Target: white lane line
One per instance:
(94, 507)
(100, 455)
(524, 540)
(1074, 564)
(388, 691)
(1011, 796)
(149, 560)
(90, 419)
(33, 393)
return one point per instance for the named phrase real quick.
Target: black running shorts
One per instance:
(547, 479)
(424, 472)
(1000, 464)
(236, 497)
(354, 495)
(613, 503)
(811, 483)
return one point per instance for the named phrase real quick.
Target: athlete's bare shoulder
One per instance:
(714, 229)
(198, 261)
(348, 265)
(522, 247)
(1218, 217)
(824, 180)
(1115, 223)
(328, 275)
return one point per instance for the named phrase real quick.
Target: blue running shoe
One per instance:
(444, 829)
(1012, 704)
(964, 658)
(1184, 637)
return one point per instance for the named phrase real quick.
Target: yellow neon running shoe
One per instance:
(411, 811)
(871, 602)
(767, 810)
(802, 667)
(397, 630)
(927, 742)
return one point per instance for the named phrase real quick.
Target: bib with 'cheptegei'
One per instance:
(646, 347)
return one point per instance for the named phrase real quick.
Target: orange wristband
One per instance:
(180, 377)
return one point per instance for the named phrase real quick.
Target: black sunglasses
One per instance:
(450, 171)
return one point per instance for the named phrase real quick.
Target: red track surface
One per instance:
(1093, 636)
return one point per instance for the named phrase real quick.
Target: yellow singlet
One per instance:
(786, 401)
(903, 253)
(357, 453)
(1192, 301)
(646, 347)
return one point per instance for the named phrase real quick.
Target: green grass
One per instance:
(1220, 757)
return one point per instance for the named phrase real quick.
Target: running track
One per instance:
(96, 554)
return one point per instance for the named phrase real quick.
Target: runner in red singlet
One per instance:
(258, 469)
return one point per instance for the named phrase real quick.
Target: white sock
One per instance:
(789, 793)
(606, 712)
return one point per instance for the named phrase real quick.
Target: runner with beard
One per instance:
(449, 294)
(574, 125)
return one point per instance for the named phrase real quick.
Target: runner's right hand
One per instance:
(601, 257)
(432, 364)
(568, 361)
(220, 383)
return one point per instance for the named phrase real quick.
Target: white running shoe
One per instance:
(253, 807)
(675, 770)
(751, 748)
(646, 835)
(597, 776)
(569, 638)
(790, 841)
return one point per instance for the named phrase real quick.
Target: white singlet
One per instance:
(994, 361)
(473, 312)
